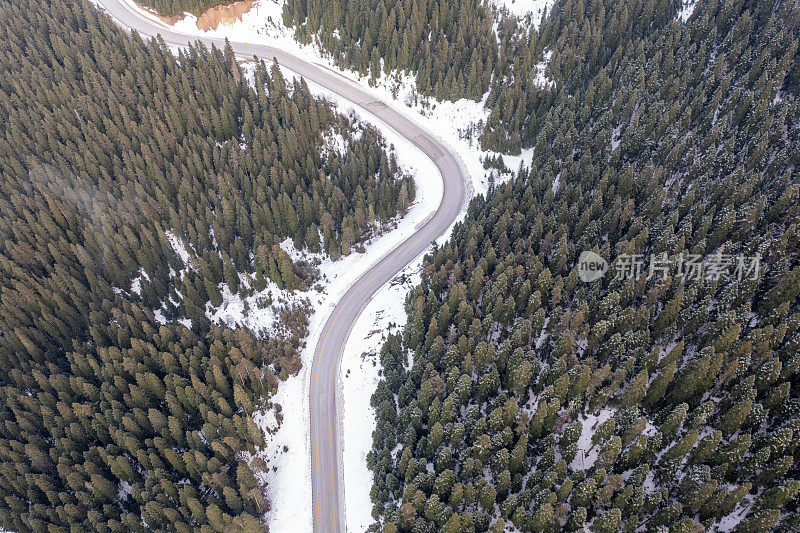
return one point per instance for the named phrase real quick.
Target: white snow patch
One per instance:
(252, 312)
(160, 318)
(524, 8)
(294, 254)
(686, 10)
(136, 284)
(649, 482)
(178, 246)
(288, 454)
(513, 162)
(556, 183)
(587, 454)
(615, 137)
(249, 71)
(729, 522)
(359, 369)
(125, 489)
(541, 79)
(334, 142)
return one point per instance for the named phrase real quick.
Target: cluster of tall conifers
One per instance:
(169, 8)
(122, 407)
(519, 394)
(450, 46)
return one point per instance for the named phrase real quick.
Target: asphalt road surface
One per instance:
(326, 471)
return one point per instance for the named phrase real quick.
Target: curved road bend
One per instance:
(326, 469)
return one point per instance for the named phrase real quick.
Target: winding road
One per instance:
(326, 466)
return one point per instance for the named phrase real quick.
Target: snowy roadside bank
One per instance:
(359, 376)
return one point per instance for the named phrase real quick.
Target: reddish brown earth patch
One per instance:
(223, 14)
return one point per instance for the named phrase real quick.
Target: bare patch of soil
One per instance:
(223, 14)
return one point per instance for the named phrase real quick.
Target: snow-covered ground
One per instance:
(359, 377)
(289, 496)
(587, 452)
(289, 483)
(287, 454)
(686, 10)
(522, 8)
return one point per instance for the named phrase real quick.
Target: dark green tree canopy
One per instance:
(122, 407)
(519, 394)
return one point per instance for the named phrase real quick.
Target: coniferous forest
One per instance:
(137, 187)
(520, 397)
(451, 46)
(170, 8)
(122, 407)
